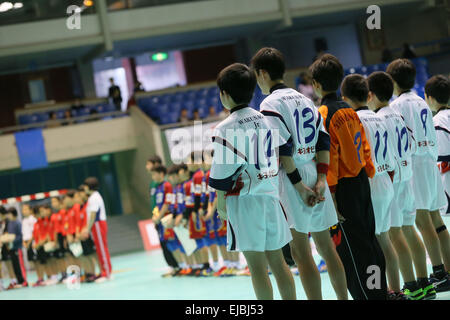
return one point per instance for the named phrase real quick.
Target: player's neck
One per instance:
(441, 108)
(274, 85)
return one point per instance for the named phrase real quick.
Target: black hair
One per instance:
(173, 169)
(270, 60)
(182, 166)
(381, 84)
(155, 159)
(238, 81)
(81, 187)
(403, 72)
(70, 193)
(355, 88)
(160, 169)
(438, 87)
(13, 211)
(2, 210)
(195, 157)
(92, 183)
(328, 71)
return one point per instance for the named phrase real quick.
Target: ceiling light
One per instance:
(18, 5)
(5, 6)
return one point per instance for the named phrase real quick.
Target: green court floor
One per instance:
(138, 276)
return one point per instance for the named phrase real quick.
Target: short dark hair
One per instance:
(81, 187)
(173, 169)
(182, 166)
(160, 169)
(270, 60)
(238, 81)
(403, 72)
(2, 210)
(328, 71)
(381, 84)
(355, 88)
(13, 211)
(196, 155)
(438, 87)
(92, 183)
(155, 159)
(70, 193)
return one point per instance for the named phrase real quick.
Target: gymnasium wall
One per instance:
(429, 25)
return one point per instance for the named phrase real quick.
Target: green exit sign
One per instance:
(160, 56)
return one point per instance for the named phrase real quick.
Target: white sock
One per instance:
(182, 265)
(215, 265)
(13, 280)
(226, 263)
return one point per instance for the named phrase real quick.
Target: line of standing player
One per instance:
(250, 190)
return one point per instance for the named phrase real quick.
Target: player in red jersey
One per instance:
(88, 259)
(58, 218)
(194, 211)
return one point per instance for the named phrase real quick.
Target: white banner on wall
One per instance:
(182, 141)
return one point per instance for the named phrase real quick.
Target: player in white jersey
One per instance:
(245, 174)
(355, 91)
(427, 185)
(437, 94)
(300, 123)
(407, 243)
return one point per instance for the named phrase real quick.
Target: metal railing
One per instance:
(65, 121)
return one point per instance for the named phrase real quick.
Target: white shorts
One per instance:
(302, 218)
(403, 208)
(256, 223)
(427, 184)
(382, 194)
(446, 183)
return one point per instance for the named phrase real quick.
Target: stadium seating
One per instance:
(44, 116)
(421, 73)
(166, 108)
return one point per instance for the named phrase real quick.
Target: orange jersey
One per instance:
(349, 148)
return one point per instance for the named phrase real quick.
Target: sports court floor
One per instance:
(138, 276)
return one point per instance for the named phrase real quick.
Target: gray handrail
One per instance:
(62, 121)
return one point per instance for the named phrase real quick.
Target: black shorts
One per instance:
(41, 255)
(31, 254)
(5, 253)
(88, 246)
(61, 251)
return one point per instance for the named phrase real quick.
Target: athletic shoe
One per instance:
(441, 285)
(21, 285)
(192, 272)
(429, 292)
(184, 272)
(11, 286)
(39, 283)
(90, 278)
(414, 295)
(322, 267)
(101, 280)
(206, 273)
(392, 295)
(230, 272)
(176, 272)
(244, 272)
(62, 279)
(198, 272)
(220, 271)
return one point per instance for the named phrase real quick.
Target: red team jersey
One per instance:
(69, 221)
(80, 218)
(193, 188)
(163, 195)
